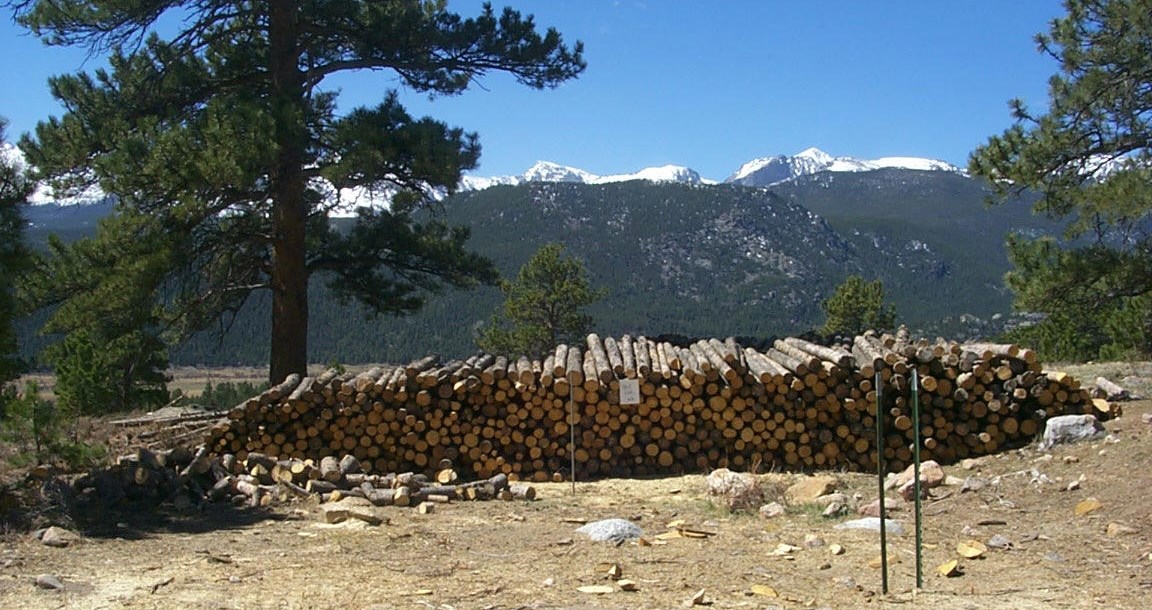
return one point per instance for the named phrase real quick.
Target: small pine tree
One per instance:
(14, 258)
(95, 377)
(857, 306)
(544, 305)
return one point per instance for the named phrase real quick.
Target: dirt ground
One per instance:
(508, 555)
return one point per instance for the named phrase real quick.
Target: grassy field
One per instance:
(191, 380)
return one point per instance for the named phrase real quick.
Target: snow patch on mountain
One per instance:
(766, 171)
(547, 171)
(664, 173)
(12, 156)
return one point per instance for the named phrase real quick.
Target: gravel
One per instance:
(611, 530)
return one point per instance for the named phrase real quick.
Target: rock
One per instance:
(1118, 529)
(351, 508)
(59, 537)
(49, 581)
(931, 475)
(1073, 486)
(611, 530)
(999, 542)
(1066, 429)
(872, 523)
(872, 509)
(974, 484)
(972, 463)
(1087, 506)
(772, 509)
(810, 488)
(735, 490)
(831, 498)
(784, 549)
(813, 541)
(835, 549)
(953, 481)
(834, 509)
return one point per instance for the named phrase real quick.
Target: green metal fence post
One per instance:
(916, 474)
(880, 468)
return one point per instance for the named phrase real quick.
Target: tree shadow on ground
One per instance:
(141, 522)
(30, 505)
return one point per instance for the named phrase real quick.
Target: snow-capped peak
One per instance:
(766, 171)
(664, 173)
(815, 154)
(547, 171)
(770, 170)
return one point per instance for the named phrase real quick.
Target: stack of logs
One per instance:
(709, 404)
(149, 477)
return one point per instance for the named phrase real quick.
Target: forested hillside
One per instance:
(697, 260)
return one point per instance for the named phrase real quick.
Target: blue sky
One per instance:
(709, 85)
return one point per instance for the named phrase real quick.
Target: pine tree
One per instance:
(14, 256)
(856, 306)
(1089, 157)
(225, 133)
(543, 306)
(113, 354)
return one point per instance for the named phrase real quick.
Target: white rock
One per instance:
(1071, 429)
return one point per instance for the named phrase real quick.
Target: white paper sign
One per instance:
(629, 391)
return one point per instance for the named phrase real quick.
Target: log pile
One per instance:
(712, 403)
(187, 478)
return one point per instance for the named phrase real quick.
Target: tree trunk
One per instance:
(289, 345)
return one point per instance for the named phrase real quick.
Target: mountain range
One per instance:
(763, 171)
(685, 257)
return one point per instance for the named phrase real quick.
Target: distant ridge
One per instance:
(767, 171)
(763, 171)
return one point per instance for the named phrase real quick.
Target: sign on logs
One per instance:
(710, 404)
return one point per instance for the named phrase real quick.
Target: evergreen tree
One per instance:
(857, 306)
(1089, 156)
(113, 355)
(14, 256)
(543, 306)
(225, 133)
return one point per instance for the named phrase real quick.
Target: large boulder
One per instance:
(1066, 429)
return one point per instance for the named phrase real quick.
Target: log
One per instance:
(600, 359)
(628, 357)
(615, 356)
(1104, 388)
(330, 469)
(643, 357)
(835, 355)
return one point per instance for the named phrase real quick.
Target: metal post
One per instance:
(880, 468)
(916, 474)
(572, 435)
